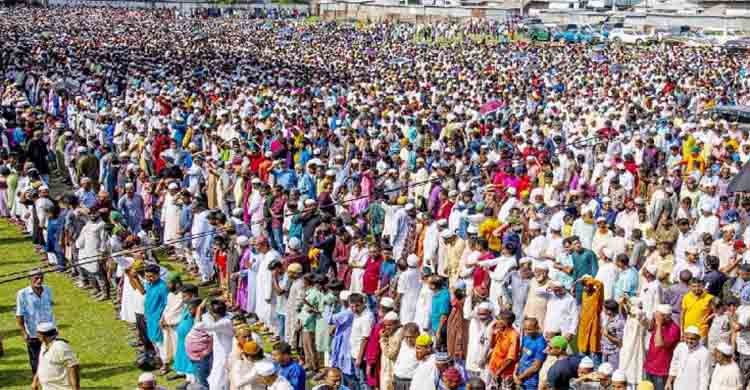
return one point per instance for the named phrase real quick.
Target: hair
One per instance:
(507, 316)
(476, 384)
(696, 281)
(685, 276)
(411, 327)
(611, 305)
(356, 299)
(712, 262)
(283, 348)
(189, 288)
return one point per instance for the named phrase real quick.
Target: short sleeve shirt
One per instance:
(532, 350)
(35, 309)
(53, 363)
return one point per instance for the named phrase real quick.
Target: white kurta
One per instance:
(608, 273)
(170, 216)
(222, 332)
(690, 368)
(89, 245)
(480, 335)
(633, 350)
(562, 313)
(265, 302)
(726, 377)
(357, 260)
(425, 375)
(171, 315)
(409, 284)
(424, 307)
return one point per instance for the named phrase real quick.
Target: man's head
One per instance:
(36, 278)
(557, 346)
(696, 287)
(423, 346)
(282, 353)
(357, 303)
(586, 366)
(452, 378)
(174, 282)
(410, 332)
(266, 372)
(332, 378)
(47, 331)
(744, 272)
(531, 326)
(152, 272)
(692, 336)
(189, 291)
(147, 381)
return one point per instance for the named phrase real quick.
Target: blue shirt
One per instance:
(441, 306)
(294, 373)
(560, 374)
(532, 350)
(154, 303)
(626, 283)
(34, 309)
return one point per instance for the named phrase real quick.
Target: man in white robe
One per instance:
(407, 288)
(171, 317)
(219, 325)
(424, 304)
(202, 233)
(265, 299)
(430, 243)
(255, 208)
(90, 244)
(690, 365)
(170, 214)
(726, 375)
(562, 311)
(480, 336)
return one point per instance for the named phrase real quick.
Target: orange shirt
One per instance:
(507, 346)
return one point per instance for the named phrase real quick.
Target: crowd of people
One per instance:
(378, 212)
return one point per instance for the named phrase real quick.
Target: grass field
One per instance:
(100, 341)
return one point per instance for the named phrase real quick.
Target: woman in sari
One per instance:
(589, 325)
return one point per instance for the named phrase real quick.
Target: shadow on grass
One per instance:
(98, 371)
(10, 333)
(11, 241)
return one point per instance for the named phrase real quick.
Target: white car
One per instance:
(629, 35)
(721, 36)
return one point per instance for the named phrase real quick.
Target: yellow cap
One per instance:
(424, 340)
(645, 385)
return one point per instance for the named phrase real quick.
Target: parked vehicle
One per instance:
(734, 114)
(630, 35)
(525, 23)
(684, 36)
(540, 33)
(607, 27)
(574, 34)
(738, 45)
(722, 36)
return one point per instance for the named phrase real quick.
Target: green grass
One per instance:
(99, 340)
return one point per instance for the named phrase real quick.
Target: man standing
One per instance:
(533, 346)
(156, 293)
(696, 306)
(665, 335)
(690, 363)
(265, 299)
(361, 327)
(170, 318)
(270, 377)
(58, 366)
(33, 307)
(504, 354)
(584, 263)
(726, 373)
(218, 324)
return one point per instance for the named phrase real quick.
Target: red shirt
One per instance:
(659, 358)
(371, 277)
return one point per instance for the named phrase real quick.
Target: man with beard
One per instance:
(515, 288)
(170, 318)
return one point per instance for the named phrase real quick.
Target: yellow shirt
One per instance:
(695, 310)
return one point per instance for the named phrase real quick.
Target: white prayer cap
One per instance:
(664, 309)
(344, 295)
(409, 206)
(608, 252)
(391, 316)
(386, 302)
(743, 319)
(294, 243)
(706, 208)
(45, 327)
(442, 222)
(128, 186)
(601, 219)
(146, 377)
(43, 188)
(484, 306)
(553, 203)
(331, 172)
(605, 368)
(173, 186)
(255, 180)
(533, 225)
(652, 269)
(555, 283)
(81, 149)
(729, 228)
(541, 265)
(472, 229)
(412, 260)
(692, 249)
(586, 362)
(237, 211)
(619, 376)
(265, 368)
(309, 202)
(452, 193)
(447, 233)
(555, 225)
(724, 348)
(526, 260)
(692, 329)
(243, 241)
(606, 199)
